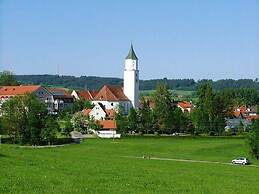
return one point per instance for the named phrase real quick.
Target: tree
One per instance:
(51, 129)
(65, 124)
(253, 140)
(164, 107)
(81, 104)
(7, 79)
(24, 119)
(36, 117)
(212, 108)
(145, 117)
(133, 120)
(93, 124)
(79, 122)
(121, 121)
(181, 121)
(14, 117)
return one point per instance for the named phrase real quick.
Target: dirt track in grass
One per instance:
(186, 160)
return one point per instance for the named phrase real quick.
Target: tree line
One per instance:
(95, 83)
(165, 117)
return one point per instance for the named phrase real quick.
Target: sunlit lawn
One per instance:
(98, 166)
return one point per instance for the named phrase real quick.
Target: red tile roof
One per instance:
(237, 113)
(18, 90)
(252, 117)
(242, 109)
(111, 93)
(110, 113)
(93, 93)
(185, 104)
(86, 111)
(87, 94)
(108, 124)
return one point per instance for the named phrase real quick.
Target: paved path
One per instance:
(186, 160)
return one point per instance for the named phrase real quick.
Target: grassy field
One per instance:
(100, 166)
(178, 94)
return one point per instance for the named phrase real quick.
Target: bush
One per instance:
(227, 133)
(211, 133)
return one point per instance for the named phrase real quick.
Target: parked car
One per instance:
(240, 160)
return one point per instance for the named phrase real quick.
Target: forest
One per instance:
(95, 83)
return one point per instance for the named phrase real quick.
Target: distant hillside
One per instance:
(93, 82)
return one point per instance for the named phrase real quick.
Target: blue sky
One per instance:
(174, 39)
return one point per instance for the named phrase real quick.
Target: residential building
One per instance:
(99, 112)
(185, 106)
(8, 92)
(61, 99)
(56, 99)
(84, 94)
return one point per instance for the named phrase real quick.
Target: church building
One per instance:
(131, 78)
(113, 97)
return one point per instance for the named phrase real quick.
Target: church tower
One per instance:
(131, 78)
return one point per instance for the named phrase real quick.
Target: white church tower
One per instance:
(131, 78)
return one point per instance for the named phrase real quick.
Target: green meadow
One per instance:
(107, 166)
(177, 94)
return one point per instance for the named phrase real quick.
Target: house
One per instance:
(185, 106)
(99, 112)
(104, 117)
(55, 99)
(242, 114)
(61, 98)
(84, 94)
(232, 124)
(113, 97)
(108, 125)
(8, 92)
(245, 112)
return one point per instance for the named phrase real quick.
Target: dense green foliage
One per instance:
(80, 105)
(98, 166)
(25, 119)
(7, 79)
(163, 118)
(164, 108)
(253, 139)
(208, 117)
(92, 82)
(211, 111)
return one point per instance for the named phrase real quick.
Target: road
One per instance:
(186, 160)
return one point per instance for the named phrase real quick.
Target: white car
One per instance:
(240, 160)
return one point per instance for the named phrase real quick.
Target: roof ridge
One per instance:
(90, 94)
(109, 87)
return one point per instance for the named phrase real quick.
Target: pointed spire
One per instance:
(132, 54)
